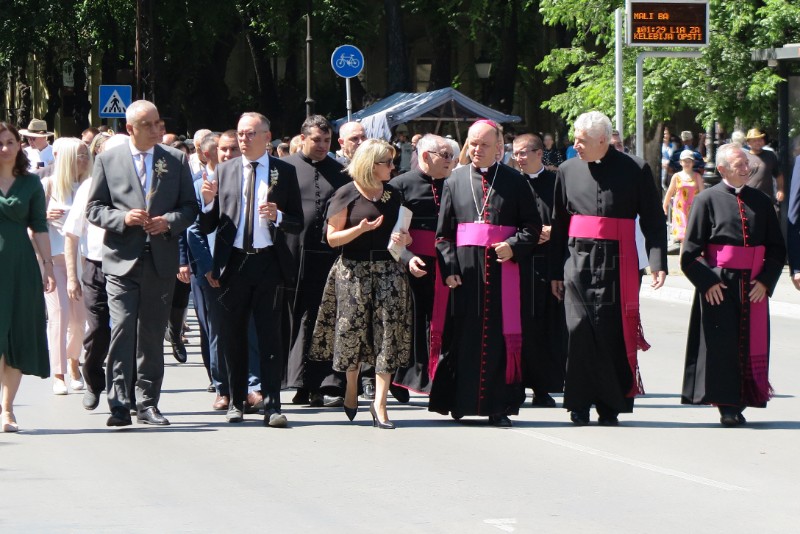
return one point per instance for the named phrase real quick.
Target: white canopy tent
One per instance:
(439, 106)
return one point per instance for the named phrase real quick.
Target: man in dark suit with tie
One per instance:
(142, 196)
(252, 203)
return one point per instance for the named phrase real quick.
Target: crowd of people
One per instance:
(414, 266)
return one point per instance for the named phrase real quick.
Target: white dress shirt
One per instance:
(76, 224)
(261, 235)
(45, 156)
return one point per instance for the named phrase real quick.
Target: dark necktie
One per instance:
(249, 192)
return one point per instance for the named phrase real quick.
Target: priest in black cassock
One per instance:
(544, 330)
(422, 191)
(733, 254)
(487, 223)
(595, 268)
(319, 176)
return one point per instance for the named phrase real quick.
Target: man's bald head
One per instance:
(351, 135)
(485, 140)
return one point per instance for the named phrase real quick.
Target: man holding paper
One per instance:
(487, 222)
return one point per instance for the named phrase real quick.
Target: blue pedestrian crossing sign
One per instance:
(114, 100)
(347, 61)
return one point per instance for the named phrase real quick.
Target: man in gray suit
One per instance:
(142, 196)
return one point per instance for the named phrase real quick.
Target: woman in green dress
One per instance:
(23, 341)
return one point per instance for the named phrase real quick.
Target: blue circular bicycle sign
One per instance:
(347, 61)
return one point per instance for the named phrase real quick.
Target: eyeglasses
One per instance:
(249, 135)
(447, 156)
(388, 163)
(83, 156)
(524, 153)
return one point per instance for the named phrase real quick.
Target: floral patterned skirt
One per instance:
(365, 316)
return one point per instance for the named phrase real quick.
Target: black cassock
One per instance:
(544, 331)
(717, 349)
(422, 196)
(618, 186)
(318, 181)
(471, 376)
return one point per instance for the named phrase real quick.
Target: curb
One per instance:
(685, 296)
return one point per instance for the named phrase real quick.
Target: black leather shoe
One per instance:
(90, 400)
(350, 412)
(234, 414)
(329, 401)
(369, 391)
(399, 393)
(119, 417)
(741, 418)
(273, 418)
(579, 417)
(608, 420)
(301, 397)
(151, 416)
(315, 400)
(500, 421)
(729, 420)
(543, 401)
(179, 351)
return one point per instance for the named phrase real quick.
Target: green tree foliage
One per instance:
(723, 85)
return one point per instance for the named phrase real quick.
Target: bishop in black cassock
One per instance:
(609, 186)
(477, 374)
(422, 193)
(733, 254)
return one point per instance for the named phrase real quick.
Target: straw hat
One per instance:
(36, 128)
(755, 133)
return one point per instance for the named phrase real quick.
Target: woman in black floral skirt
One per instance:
(365, 314)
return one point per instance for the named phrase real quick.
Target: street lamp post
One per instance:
(484, 69)
(309, 62)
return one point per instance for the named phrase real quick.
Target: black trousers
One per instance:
(98, 325)
(251, 284)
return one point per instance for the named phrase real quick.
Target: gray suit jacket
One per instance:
(116, 190)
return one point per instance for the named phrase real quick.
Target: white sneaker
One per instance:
(59, 387)
(77, 385)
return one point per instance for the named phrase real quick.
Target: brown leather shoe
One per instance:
(255, 401)
(221, 402)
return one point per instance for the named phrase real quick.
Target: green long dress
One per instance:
(23, 338)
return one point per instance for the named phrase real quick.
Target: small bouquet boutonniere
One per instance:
(160, 167)
(386, 196)
(273, 179)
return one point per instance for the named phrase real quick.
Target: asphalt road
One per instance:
(666, 469)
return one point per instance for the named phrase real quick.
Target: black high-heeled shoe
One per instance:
(350, 412)
(377, 423)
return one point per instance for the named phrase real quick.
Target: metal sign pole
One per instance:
(618, 66)
(349, 100)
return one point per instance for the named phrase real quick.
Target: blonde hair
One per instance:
(368, 154)
(65, 173)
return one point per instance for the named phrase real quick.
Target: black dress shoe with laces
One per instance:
(151, 416)
(369, 391)
(119, 417)
(579, 417)
(315, 400)
(608, 420)
(179, 351)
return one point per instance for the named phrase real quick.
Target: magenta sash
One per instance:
(424, 244)
(483, 235)
(757, 390)
(623, 231)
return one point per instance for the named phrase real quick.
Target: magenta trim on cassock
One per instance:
(623, 231)
(484, 235)
(424, 244)
(757, 388)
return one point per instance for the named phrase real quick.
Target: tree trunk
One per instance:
(505, 81)
(439, 37)
(398, 78)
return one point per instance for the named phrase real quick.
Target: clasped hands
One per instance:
(715, 295)
(152, 225)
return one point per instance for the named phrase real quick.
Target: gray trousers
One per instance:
(139, 304)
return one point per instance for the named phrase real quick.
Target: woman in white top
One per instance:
(66, 318)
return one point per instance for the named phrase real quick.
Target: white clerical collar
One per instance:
(736, 189)
(536, 174)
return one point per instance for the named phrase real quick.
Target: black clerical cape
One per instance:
(318, 181)
(617, 186)
(471, 377)
(422, 196)
(719, 369)
(544, 334)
